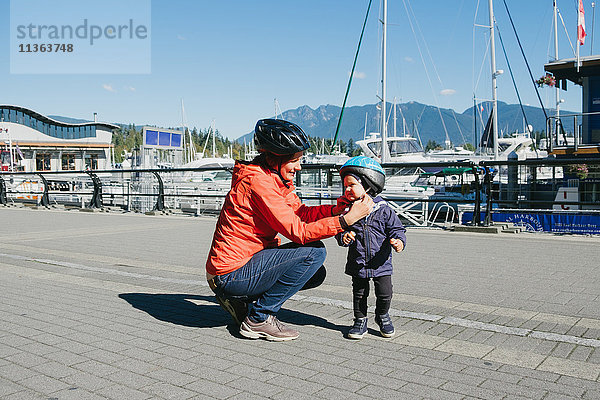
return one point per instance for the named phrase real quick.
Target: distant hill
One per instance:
(322, 122)
(68, 120)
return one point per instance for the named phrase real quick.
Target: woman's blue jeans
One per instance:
(272, 276)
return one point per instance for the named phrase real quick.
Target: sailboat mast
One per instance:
(384, 145)
(494, 74)
(395, 117)
(556, 89)
(214, 145)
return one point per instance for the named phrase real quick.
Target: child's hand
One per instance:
(348, 237)
(397, 244)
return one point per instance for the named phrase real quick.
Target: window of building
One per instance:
(68, 162)
(42, 162)
(91, 161)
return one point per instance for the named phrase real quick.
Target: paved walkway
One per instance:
(110, 305)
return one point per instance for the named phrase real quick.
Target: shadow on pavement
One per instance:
(183, 309)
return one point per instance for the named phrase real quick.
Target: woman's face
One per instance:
(288, 169)
(353, 189)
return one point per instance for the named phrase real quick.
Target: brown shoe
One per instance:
(272, 329)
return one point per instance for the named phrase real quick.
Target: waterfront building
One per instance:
(32, 142)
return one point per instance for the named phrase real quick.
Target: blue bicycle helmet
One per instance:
(370, 172)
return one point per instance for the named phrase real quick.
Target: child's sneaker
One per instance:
(359, 328)
(385, 325)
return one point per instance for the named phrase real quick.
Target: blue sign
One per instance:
(546, 222)
(152, 138)
(175, 140)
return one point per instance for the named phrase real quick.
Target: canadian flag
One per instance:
(581, 24)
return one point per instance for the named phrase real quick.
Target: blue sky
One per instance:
(229, 60)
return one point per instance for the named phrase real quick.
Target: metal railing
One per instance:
(489, 186)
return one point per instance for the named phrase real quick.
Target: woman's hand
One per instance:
(341, 205)
(348, 237)
(360, 209)
(397, 244)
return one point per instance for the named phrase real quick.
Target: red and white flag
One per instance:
(581, 24)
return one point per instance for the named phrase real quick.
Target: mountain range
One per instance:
(322, 121)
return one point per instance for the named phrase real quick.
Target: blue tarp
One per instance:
(546, 222)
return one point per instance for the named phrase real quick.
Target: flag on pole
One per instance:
(581, 24)
(20, 152)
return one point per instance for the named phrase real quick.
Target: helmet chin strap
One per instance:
(285, 182)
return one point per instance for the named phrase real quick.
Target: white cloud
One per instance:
(409, 59)
(181, 37)
(359, 75)
(130, 88)
(108, 87)
(447, 92)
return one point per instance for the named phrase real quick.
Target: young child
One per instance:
(370, 242)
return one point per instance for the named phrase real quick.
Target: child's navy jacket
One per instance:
(370, 255)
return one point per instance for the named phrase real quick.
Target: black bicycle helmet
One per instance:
(370, 172)
(279, 137)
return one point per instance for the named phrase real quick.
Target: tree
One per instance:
(432, 145)
(469, 146)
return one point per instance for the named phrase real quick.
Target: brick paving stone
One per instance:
(584, 383)
(137, 366)
(76, 394)
(43, 384)
(435, 363)
(87, 381)
(255, 387)
(119, 392)
(320, 366)
(6, 351)
(430, 393)
(298, 385)
(333, 393)
(591, 394)
(175, 364)
(459, 388)
(491, 374)
(557, 396)
(421, 379)
(592, 334)
(563, 350)
(260, 374)
(165, 390)
(27, 395)
(452, 331)
(338, 382)
(96, 368)
(455, 377)
(289, 394)
(15, 372)
(26, 360)
(377, 380)
(130, 379)
(212, 389)
(581, 353)
(511, 388)
(378, 392)
(552, 387)
(54, 369)
(212, 374)
(7, 387)
(527, 372)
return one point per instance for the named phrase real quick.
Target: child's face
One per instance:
(353, 190)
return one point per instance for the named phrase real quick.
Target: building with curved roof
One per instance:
(31, 141)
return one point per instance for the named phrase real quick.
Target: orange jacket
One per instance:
(256, 209)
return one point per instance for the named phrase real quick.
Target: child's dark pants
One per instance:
(360, 293)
